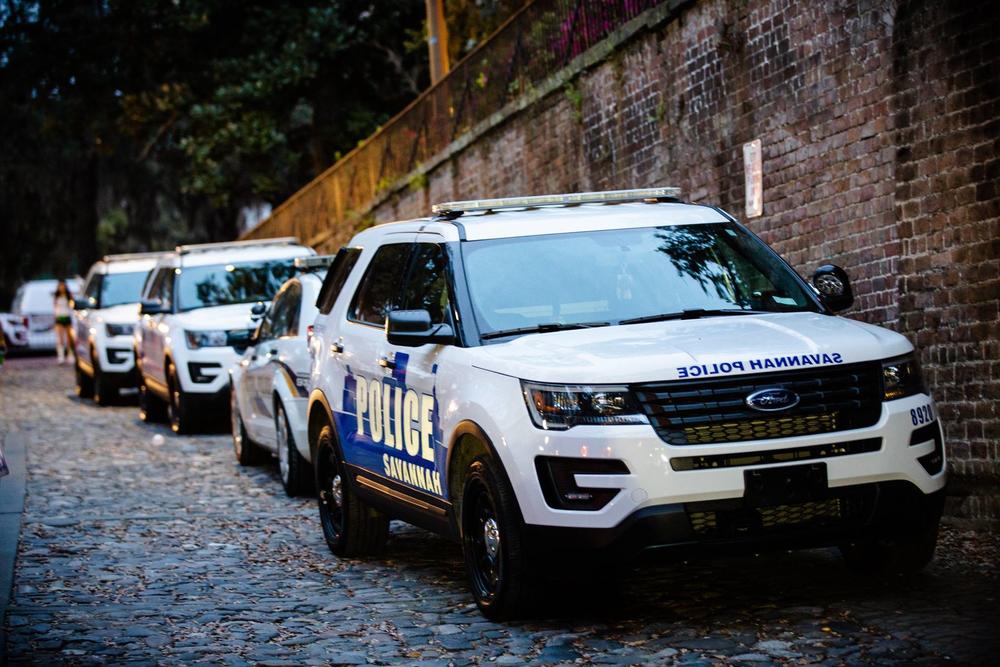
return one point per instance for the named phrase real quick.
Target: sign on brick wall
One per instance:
(754, 193)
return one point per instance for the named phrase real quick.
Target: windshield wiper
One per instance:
(691, 314)
(543, 328)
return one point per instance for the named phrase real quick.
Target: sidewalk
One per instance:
(11, 506)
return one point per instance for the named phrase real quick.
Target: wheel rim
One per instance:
(331, 493)
(283, 444)
(482, 537)
(236, 423)
(174, 405)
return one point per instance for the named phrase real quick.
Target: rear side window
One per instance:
(378, 292)
(336, 276)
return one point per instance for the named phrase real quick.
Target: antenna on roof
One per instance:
(653, 195)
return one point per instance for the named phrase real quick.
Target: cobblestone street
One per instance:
(172, 554)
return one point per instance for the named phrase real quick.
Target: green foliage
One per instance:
(418, 181)
(575, 97)
(134, 125)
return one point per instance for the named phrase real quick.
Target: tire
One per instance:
(84, 383)
(296, 477)
(500, 576)
(246, 450)
(351, 527)
(906, 553)
(152, 409)
(179, 407)
(104, 393)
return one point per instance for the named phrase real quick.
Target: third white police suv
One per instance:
(269, 384)
(196, 310)
(104, 320)
(609, 374)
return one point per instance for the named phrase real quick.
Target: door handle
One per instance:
(386, 362)
(336, 348)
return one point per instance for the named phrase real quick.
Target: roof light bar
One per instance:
(205, 247)
(608, 197)
(314, 262)
(120, 257)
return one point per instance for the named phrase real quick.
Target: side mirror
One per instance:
(413, 328)
(152, 307)
(258, 311)
(834, 287)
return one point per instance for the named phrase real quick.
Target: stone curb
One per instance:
(12, 489)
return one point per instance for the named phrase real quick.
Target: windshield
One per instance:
(119, 288)
(611, 276)
(223, 284)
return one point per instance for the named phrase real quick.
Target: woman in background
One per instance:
(63, 314)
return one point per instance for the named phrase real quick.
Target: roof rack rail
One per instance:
(607, 197)
(313, 262)
(132, 255)
(205, 247)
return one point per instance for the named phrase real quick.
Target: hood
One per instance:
(682, 349)
(235, 316)
(124, 313)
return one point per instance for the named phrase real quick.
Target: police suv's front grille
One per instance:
(757, 519)
(831, 398)
(739, 518)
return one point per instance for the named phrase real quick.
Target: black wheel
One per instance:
(104, 393)
(351, 527)
(151, 408)
(906, 547)
(296, 476)
(84, 383)
(495, 559)
(246, 450)
(179, 410)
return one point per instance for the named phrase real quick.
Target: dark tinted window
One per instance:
(378, 292)
(222, 284)
(427, 287)
(285, 312)
(336, 276)
(119, 288)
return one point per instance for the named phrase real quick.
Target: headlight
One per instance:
(118, 329)
(901, 377)
(559, 407)
(197, 339)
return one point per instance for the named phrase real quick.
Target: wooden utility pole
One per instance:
(437, 39)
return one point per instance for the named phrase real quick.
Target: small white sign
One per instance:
(754, 174)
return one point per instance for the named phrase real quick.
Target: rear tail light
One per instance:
(309, 332)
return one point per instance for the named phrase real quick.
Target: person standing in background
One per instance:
(63, 315)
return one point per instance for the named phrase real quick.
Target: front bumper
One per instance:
(205, 370)
(682, 530)
(653, 482)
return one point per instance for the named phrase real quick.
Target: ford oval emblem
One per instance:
(772, 400)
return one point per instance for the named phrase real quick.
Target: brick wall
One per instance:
(879, 125)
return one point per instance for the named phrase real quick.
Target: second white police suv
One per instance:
(610, 373)
(195, 311)
(270, 382)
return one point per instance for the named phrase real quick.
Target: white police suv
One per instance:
(609, 374)
(195, 313)
(104, 319)
(270, 382)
